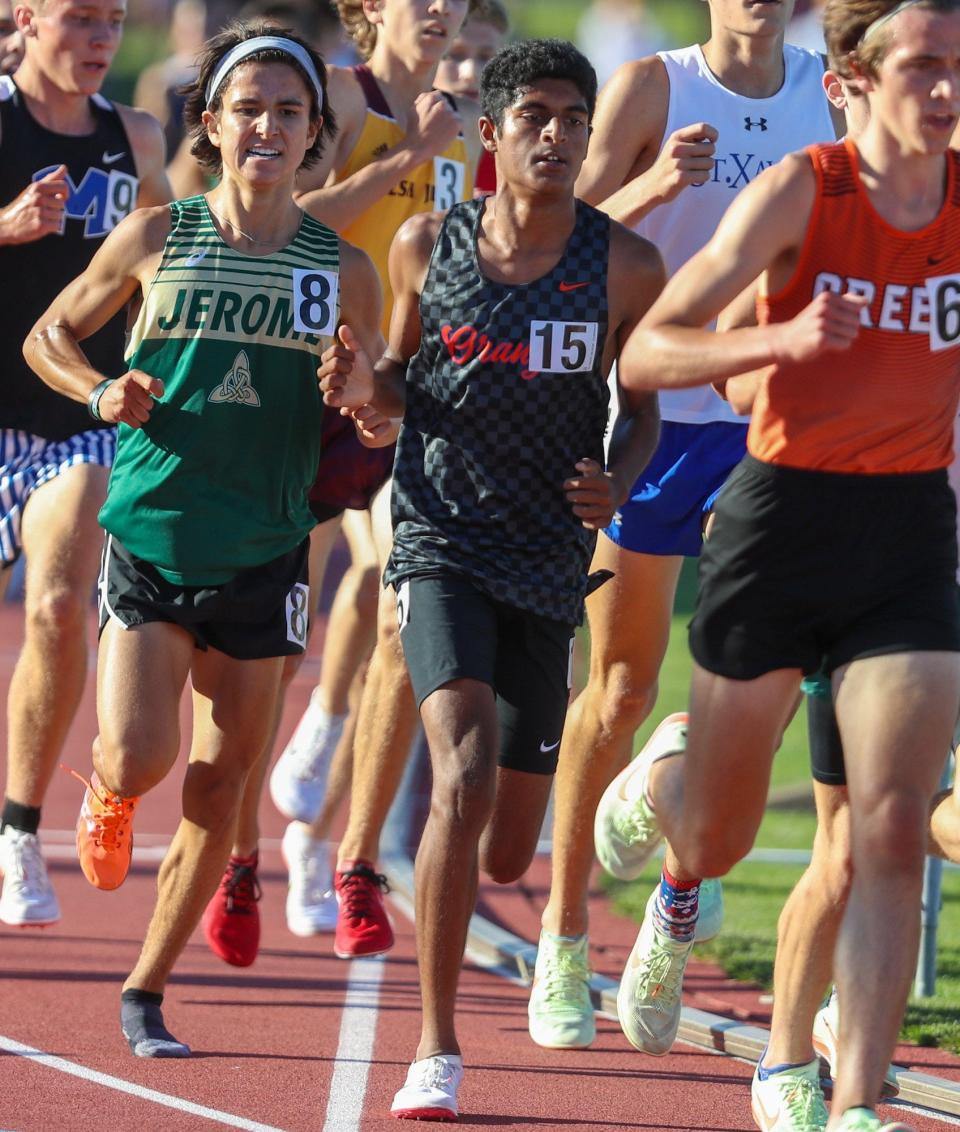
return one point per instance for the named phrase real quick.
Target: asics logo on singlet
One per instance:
(193, 260)
(755, 123)
(466, 344)
(236, 386)
(101, 199)
(737, 169)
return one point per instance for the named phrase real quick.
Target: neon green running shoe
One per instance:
(789, 1101)
(866, 1120)
(560, 1012)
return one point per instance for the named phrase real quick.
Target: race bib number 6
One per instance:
(315, 301)
(944, 292)
(563, 347)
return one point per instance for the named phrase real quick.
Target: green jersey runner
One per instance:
(216, 480)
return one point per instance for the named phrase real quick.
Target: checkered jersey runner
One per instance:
(505, 395)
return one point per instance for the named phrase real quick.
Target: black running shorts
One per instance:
(826, 748)
(806, 569)
(451, 630)
(261, 612)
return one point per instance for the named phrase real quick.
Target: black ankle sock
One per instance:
(24, 818)
(142, 1024)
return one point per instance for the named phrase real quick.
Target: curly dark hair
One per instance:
(520, 65)
(196, 99)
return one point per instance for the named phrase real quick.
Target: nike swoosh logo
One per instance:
(544, 749)
(769, 1118)
(193, 260)
(934, 260)
(112, 158)
(573, 286)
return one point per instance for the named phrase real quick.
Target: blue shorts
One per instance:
(669, 503)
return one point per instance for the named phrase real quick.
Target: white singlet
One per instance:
(754, 133)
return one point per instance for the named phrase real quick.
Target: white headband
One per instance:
(264, 43)
(881, 20)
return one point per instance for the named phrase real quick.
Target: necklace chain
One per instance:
(238, 229)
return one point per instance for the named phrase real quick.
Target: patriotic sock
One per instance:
(676, 908)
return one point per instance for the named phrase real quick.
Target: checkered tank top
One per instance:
(505, 395)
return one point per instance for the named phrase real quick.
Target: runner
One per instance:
(72, 165)
(204, 571)
(860, 246)
(678, 136)
(497, 300)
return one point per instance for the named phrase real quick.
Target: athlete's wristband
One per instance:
(93, 401)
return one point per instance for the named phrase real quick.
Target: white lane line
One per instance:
(181, 1105)
(358, 1025)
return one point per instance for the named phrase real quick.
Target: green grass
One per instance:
(754, 893)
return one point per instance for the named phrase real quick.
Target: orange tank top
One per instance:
(888, 403)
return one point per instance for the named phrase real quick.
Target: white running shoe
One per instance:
(789, 1101)
(625, 829)
(649, 998)
(430, 1090)
(710, 914)
(311, 903)
(826, 1037)
(560, 1011)
(28, 899)
(298, 781)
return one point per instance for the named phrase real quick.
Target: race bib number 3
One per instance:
(315, 301)
(944, 292)
(563, 347)
(448, 177)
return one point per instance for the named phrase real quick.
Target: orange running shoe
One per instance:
(104, 836)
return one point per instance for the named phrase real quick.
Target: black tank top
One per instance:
(103, 189)
(505, 395)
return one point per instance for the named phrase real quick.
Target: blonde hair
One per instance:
(364, 34)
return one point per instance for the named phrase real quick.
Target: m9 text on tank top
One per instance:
(101, 199)
(226, 313)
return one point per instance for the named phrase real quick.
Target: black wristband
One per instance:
(93, 400)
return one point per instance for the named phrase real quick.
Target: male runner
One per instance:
(678, 135)
(401, 148)
(72, 165)
(511, 307)
(835, 540)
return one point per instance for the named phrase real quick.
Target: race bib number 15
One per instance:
(944, 292)
(563, 347)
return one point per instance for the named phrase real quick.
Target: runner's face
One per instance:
(750, 17)
(460, 69)
(73, 42)
(263, 127)
(916, 93)
(419, 32)
(543, 140)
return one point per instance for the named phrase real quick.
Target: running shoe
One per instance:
(866, 1120)
(28, 899)
(649, 998)
(231, 921)
(789, 1101)
(626, 830)
(104, 834)
(298, 781)
(311, 904)
(710, 914)
(826, 1037)
(560, 1011)
(363, 926)
(430, 1090)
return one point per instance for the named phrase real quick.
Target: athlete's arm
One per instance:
(432, 126)
(741, 390)
(124, 263)
(628, 172)
(149, 155)
(761, 230)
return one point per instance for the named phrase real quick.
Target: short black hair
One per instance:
(519, 66)
(235, 33)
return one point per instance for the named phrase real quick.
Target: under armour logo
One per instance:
(749, 123)
(236, 385)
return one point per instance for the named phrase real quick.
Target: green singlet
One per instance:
(216, 481)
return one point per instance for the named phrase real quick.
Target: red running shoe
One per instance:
(363, 926)
(231, 922)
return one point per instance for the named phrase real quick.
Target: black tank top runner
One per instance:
(505, 395)
(103, 189)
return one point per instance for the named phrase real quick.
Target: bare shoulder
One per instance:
(416, 237)
(347, 98)
(631, 254)
(355, 265)
(145, 134)
(638, 90)
(145, 230)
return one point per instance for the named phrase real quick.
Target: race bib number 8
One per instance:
(315, 301)
(563, 347)
(448, 177)
(298, 614)
(944, 292)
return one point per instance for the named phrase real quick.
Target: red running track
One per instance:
(303, 1041)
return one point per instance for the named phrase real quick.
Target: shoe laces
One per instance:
(563, 977)
(633, 824)
(27, 870)
(662, 974)
(861, 1120)
(110, 825)
(803, 1100)
(359, 889)
(240, 888)
(433, 1073)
